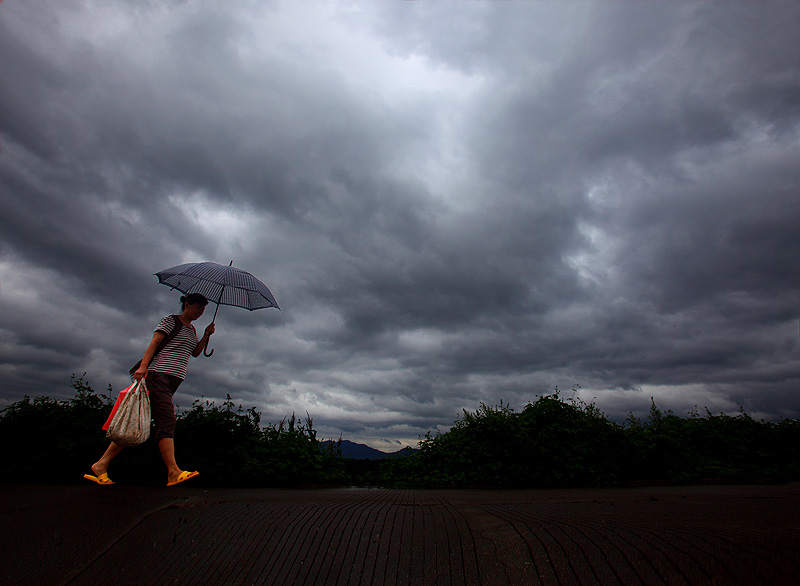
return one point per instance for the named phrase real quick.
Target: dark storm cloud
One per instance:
(452, 203)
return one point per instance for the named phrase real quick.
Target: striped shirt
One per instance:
(174, 357)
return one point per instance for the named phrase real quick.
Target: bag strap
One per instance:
(177, 328)
(174, 332)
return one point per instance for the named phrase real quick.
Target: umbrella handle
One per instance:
(205, 350)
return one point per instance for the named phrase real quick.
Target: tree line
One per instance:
(552, 442)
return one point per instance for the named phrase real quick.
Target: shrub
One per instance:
(232, 449)
(46, 439)
(63, 438)
(554, 442)
(695, 449)
(550, 443)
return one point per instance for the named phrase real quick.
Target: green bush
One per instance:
(555, 442)
(552, 442)
(721, 447)
(231, 448)
(57, 441)
(45, 439)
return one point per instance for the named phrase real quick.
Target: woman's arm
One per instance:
(148, 355)
(201, 345)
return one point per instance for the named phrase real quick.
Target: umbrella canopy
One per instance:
(224, 285)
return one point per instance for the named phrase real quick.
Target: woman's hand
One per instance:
(203, 343)
(140, 373)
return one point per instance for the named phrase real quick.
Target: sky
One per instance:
(453, 202)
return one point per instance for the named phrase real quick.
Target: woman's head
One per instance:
(193, 299)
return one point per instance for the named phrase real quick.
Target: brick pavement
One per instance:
(118, 535)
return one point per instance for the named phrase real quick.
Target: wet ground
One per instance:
(118, 535)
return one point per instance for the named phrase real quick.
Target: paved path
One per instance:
(76, 535)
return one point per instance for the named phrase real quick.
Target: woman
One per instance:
(163, 374)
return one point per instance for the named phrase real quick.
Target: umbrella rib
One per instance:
(214, 319)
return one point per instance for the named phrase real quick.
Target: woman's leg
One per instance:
(167, 447)
(101, 466)
(162, 387)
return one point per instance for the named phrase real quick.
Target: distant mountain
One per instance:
(364, 452)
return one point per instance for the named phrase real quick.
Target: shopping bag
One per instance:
(129, 423)
(116, 406)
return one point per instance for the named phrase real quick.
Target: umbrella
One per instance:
(224, 285)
